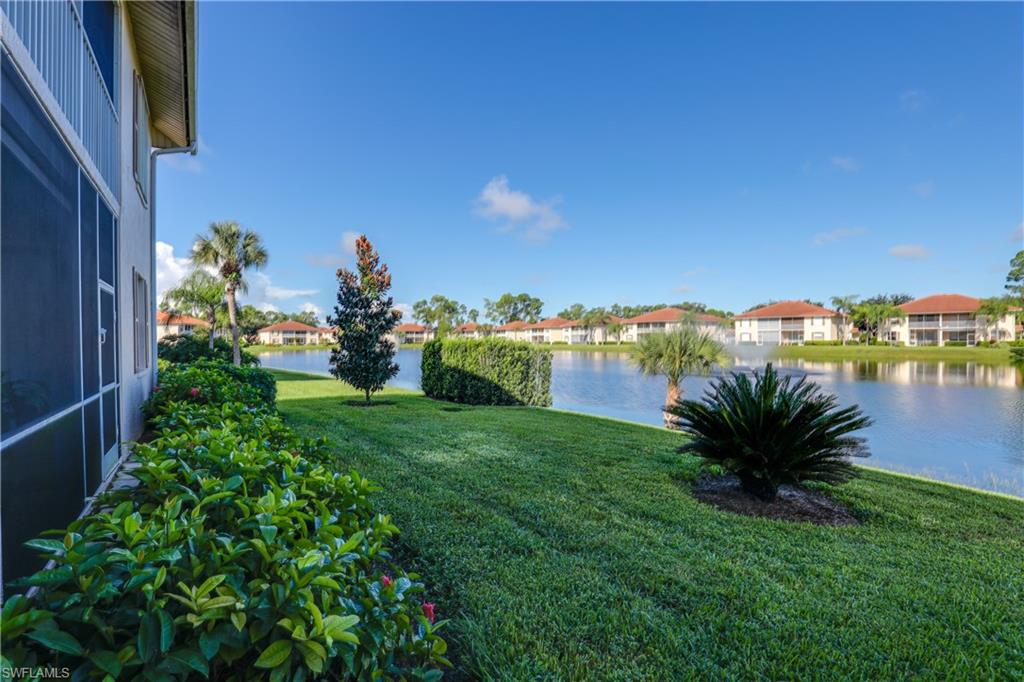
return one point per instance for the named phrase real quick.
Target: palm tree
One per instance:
(615, 329)
(232, 251)
(676, 354)
(199, 293)
(844, 306)
(993, 310)
(876, 315)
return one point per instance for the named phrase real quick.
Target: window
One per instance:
(140, 307)
(818, 336)
(140, 137)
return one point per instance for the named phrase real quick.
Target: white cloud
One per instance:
(923, 189)
(310, 307)
(846, 163)
(911, 100)
(837, 234)
(170, 269)
(910, 251)
(518, 211)
(336, 259)
(406, 310)
(282, 294)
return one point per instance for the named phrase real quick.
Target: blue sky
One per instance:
(604, 153)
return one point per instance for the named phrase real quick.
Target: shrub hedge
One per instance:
(488, 371)
(240, 554)
(192, 347)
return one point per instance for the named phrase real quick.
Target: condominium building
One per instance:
(180, 325)
(91, 93)
(410, 332)
(471, 330)
(550, 330)
(581, 332)
(292, 333)
(665, 320)
(943, 318)
(514, 331)
(787, 323)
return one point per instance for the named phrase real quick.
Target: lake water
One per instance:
(956, 422)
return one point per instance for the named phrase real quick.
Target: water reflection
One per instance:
(957, 422)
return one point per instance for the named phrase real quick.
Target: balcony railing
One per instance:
(52, 34)
(968, 325)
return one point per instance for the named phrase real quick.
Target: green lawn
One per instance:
(566, 547)
(987, 356)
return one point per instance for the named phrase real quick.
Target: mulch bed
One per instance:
(793, 503)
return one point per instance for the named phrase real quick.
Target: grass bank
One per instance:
(570, 547)
(986, 356)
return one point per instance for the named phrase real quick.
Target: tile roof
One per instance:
(550, 323)
(410, 327)
(941, 303)
(672, 315)
(509, 326)
(163, 318)
(788, 309)
(288, 326)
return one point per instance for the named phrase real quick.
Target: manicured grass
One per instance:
(566, 547)
(987, 356)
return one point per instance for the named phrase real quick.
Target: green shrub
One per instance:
(1017, 354)
(490, 371)
(956, 344)
(192, 347)
(823, 343)
(230, 559)
(772, 431)
(260, 379)
(202, 383)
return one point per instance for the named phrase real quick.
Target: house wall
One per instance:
(135, 247)
(900, 331)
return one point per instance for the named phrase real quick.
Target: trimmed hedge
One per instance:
(191, 347)
(487, 372)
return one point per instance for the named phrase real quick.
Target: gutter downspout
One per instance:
(191, 149)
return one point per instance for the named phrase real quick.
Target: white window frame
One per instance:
(140, 325)
(140, 137)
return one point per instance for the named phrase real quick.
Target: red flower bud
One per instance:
(428, 611)
(194, 392)
(385, 580)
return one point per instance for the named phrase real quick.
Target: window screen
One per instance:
(140, 137)
(99, 21)
(108, 339)
(90, 292)
(106, 244)
(42, 487)
(39, 279)
(141, 312)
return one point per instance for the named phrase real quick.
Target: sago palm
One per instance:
(199, 293)
(232, 250)
(676, 354)
(772, 430)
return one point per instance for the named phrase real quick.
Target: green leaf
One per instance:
(166, 630)
(275, 654)
(269, 532)
(107, 661)
(209, 645)
(351, 543)
(57, 640)
(238, 619)
(210, 584)
(314, 655)
(193, 659)
(48, 546)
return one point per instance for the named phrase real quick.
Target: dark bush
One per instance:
(956, 344)
(488, 371)
(1017, 354)
(192, 347)
(823, 343)
(771, 431)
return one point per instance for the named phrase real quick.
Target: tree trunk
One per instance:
(233, 321)
(671, 396)
(212, 319)
(367, 396)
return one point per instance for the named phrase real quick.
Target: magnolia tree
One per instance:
(364, 317)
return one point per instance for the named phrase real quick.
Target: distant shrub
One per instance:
(823, 343)
(1017, 354)
(956, 344)
(489, 371)
(772, 430)
(192, 347)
